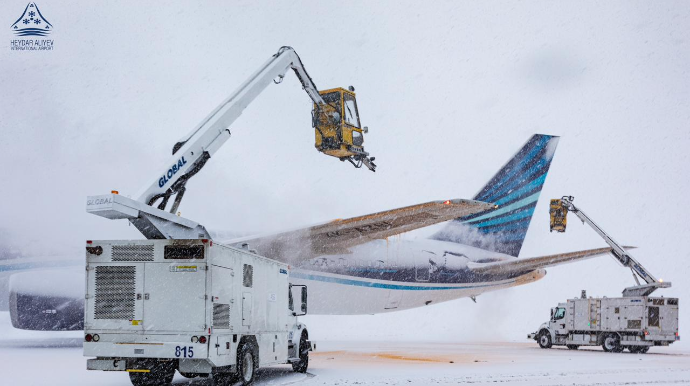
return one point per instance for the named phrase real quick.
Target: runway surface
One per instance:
(49, 358)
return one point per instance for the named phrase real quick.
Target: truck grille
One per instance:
(132, 253)
(221, 315)
(115, 292)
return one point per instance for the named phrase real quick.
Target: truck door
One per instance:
(595, 313)
(174, 296)
(247, 286)
(247, 307)
(115, 296)
(222, 279)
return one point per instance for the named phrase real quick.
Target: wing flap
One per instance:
(532, 263)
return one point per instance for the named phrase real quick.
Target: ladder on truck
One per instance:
(559, 211)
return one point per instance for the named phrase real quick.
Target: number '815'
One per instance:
(184, 351)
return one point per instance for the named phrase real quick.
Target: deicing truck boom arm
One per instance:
(192, 151)
(620, 254)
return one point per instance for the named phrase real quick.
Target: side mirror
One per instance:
(365, 129)
(302, 295)
(303, 308)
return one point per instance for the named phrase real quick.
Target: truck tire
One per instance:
(612, 343)
(638, 349)
(160, 374)
(544, 340)
(572, 346)
(246, 364)
(303, 364)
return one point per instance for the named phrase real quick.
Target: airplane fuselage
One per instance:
(390, 275)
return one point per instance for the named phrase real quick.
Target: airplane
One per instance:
(353, 266)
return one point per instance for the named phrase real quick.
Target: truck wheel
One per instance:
(545, 340)
(189, 375)
(572, 347)
(303, 364)
(246, 364)
(612, 343)
(160, 374)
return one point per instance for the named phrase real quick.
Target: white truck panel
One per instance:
(626, 321)
(153, 298)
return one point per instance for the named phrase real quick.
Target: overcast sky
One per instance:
(449, 91)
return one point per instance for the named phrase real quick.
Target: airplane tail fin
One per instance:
(515, 189)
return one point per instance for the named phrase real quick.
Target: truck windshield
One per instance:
(559, 314)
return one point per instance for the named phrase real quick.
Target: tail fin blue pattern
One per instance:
(515, 189)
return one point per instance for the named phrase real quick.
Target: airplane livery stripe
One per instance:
(515, 188)
(519, 224)
(360, 283)
(535, 184)
(507, 209)
(525, 212)
(515, 168)
(526, 170)
(509, 170)
(525, 179)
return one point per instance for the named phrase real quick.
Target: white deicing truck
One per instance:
(195, 306)
(634, 321)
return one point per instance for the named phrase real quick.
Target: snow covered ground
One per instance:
(55, 358)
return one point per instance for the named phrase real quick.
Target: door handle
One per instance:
(146, 296)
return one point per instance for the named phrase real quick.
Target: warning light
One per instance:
(446, 202)
(114, 192)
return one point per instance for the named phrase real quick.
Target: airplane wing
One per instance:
(337, 236)
(532, 263)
